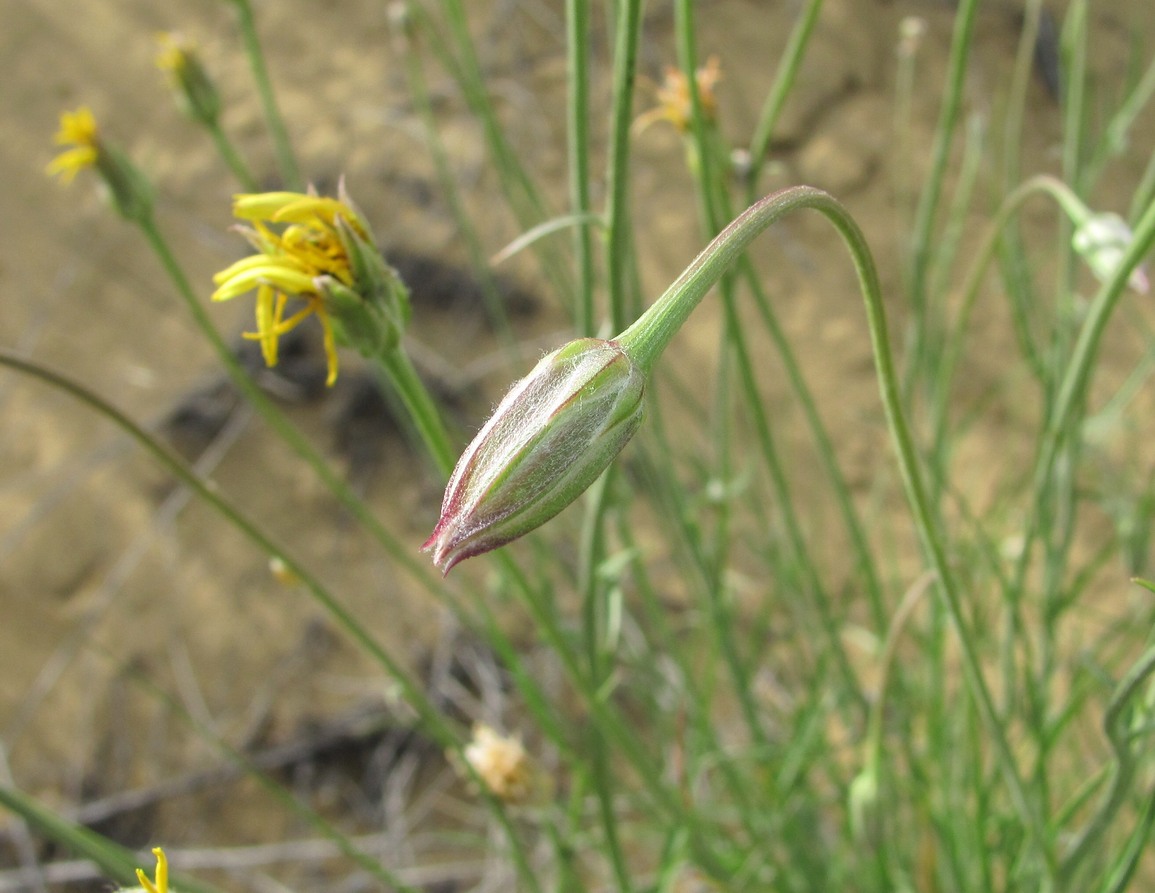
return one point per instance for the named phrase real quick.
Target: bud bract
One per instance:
(551, 436)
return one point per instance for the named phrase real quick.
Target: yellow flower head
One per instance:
(126, 188)
(291, 264)
(319, 253)
(674, 102)
(78, 132)
(160, 885)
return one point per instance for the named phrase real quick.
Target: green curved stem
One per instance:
(645, 340)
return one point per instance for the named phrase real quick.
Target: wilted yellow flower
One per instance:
(317, 251)
(160, 885)
(674, 104)
(77, 131)
(290, 264)
(503, 765)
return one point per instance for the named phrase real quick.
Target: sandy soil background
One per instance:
(107, 571)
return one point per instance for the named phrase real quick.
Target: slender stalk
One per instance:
(675, 812)
(923, 331)
(715, 207)
(647, 338)
(1074, 91)
(232, 157)
(701, 145)
(618, 248)
(421, 408)
(784, 78)
(854, 526)
(940, 153)
(578, 137)
(282, 147)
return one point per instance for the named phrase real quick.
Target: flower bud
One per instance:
(552, 435)
(190, 82)
(1102, 239)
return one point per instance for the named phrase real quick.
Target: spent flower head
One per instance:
(190, 82)
(550, 437)
(503, 766)
(674, 102)
(127, 188)
(317, 253)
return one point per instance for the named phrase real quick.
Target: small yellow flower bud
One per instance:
(194, 90)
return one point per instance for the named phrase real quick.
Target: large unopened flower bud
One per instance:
(556, 430)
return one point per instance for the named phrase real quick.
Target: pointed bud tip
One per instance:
(444, 557)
